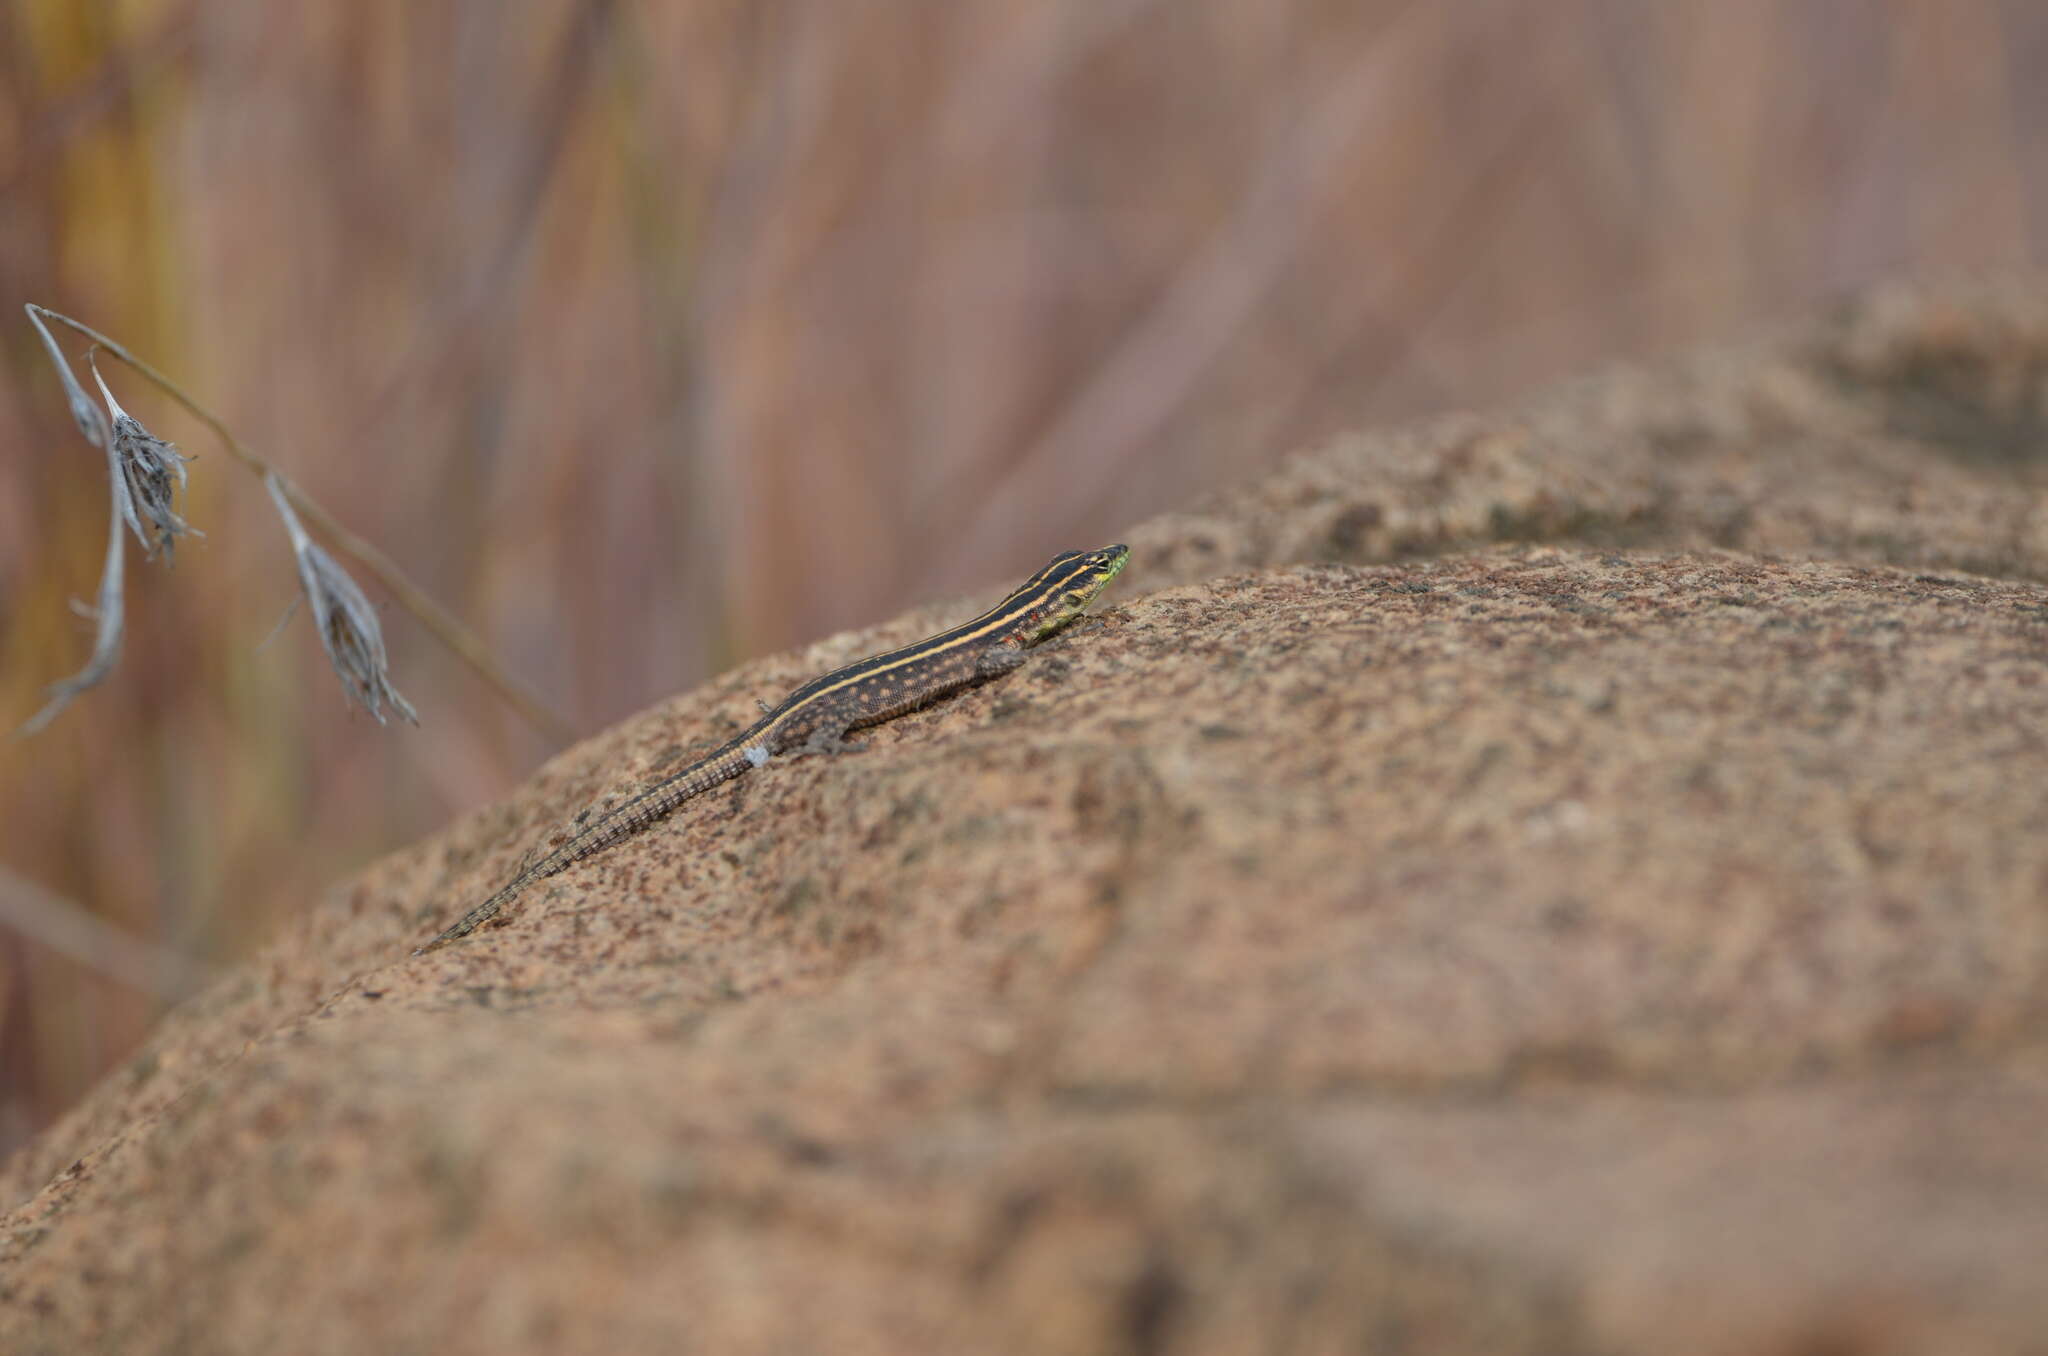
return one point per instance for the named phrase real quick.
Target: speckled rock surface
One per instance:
(1566, 880)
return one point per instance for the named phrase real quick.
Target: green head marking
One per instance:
(1068, 584)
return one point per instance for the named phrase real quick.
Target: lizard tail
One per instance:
(482, 913)
(620, 821)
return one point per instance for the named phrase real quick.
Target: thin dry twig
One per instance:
(430, 614)
(64, 927)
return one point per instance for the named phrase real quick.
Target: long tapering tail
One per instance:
(622, 820)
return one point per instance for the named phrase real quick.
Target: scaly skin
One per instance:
(816, 717)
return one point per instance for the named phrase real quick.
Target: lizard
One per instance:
(816, 717)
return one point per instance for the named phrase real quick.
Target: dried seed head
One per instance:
(154, 471)
(109, 612)
(348, 624)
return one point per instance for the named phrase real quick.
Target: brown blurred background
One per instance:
(651, 336)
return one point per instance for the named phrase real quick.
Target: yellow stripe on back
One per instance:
(1040, 590)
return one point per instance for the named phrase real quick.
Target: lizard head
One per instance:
(1068, 583)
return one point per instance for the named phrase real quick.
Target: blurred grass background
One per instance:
(651, 336)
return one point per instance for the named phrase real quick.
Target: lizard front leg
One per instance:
(998, 659)
(826, 739)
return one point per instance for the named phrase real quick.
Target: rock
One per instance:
(1562, 880)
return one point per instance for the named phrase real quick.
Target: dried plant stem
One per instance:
(413, 599)
(64, 927)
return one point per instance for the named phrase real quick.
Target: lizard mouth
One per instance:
(1104, 565)
(1110, 562)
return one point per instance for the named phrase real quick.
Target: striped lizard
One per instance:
(816, 717)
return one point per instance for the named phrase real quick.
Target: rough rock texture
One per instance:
(1570, 880)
